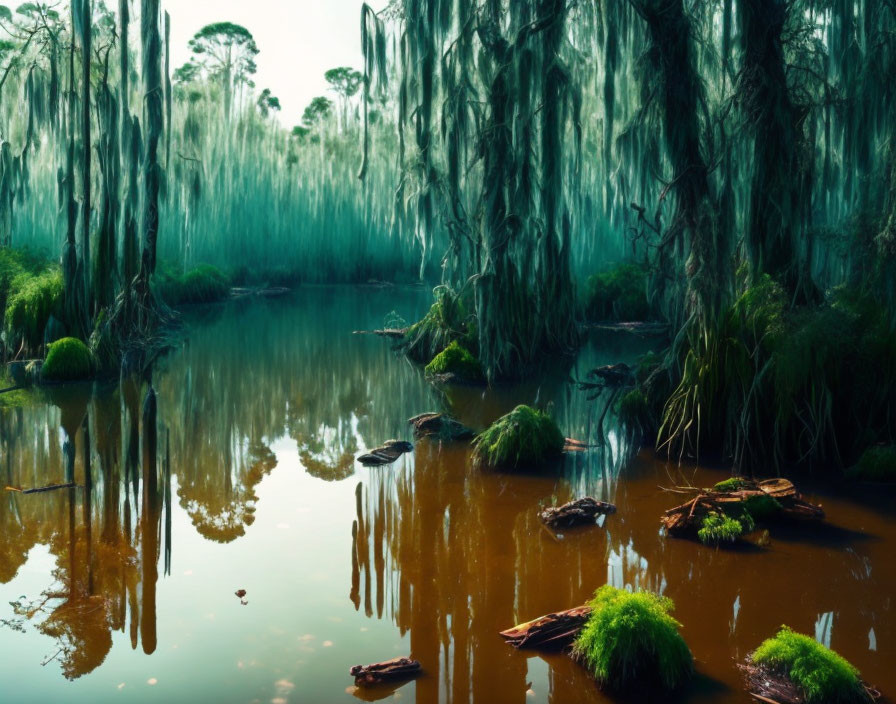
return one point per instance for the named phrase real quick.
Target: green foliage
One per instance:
(525, 437)
(317, 111)
(455, 359)
(877, 464)
(619, 293)
(204, 284)
(446, 321)
(68, 359)
(762, 507)
(731, 484)
(30, 292)
(821, 674)
(631, 640)
(633, 409)
(721, 528)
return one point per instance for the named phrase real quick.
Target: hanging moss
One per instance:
(877, 464)
(457, 361)
(68, 359)
(821, 674)
(632, 642)
(619, 293)
(524, 437)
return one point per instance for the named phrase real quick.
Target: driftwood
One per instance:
(386, 453)
(688, 516)
(39, 490)
(771, 687)
(394, 333)
(575, 513)
(387, 671)
(439, 425)
(551, 632)
(572, 445)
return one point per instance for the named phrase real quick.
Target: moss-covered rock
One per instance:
(730, 484)
(619, 293)
(822, 675)
(68, 359)
(877, 464)
(457, 361)
(631, 641)
(525, 437)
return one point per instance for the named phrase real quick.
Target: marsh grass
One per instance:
(202, 284)
(631, 640)
(525, 437)
(823, 676)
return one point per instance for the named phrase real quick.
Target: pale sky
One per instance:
(299, 40)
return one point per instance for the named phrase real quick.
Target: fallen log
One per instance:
(394, 333)
(439, 425)
(644, 329)
(39, 490)
(572, 445)
(772, 687)
(550, 632)
(386, 453)
(576, 513)
(689, 515)
(386, 671)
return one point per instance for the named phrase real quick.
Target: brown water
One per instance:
(123, 588)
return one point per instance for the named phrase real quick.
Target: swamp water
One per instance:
(120, 590)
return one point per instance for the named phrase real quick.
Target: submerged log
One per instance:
(689, 515)
(551, 632)
(772, 687)
(439, 425)
(386, 453)
(576, 513)
(40, 490)
(386, 671)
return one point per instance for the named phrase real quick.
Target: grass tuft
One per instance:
(631, 640)
(524, 437)
(721, 528)
(68, 359)
(456, 359)
(821, 674)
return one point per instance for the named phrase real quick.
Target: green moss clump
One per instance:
(203, 284)
(68, 359)
(762, 507)
(631, 639)
(729, 485)
(877, 464)
(821, 674)
(446, 321)
(619, 293)
(455, 359)
(719, 528)
(524, 437)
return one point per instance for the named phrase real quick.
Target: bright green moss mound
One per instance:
(455, 359)
(204, 284)
(69, 359)
(721, 528)
(618, 294)
(729, 485)
(821, 674)
(524, 437)
(631, 640)
(877, 464)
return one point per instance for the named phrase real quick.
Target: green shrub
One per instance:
(619, 293)
(446, 321)
(455, 359)
(821, 674)
(877, 464)
(524, 437)
(68, 359)
(203, 284)
(631, 639)
(32, 300)
(719, 528)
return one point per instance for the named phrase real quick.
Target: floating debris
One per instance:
(386, 671)
(386, 453)
(554, 631)
(582, 511)
(240, 593)
(50, 487)
(439, 425)
(393, 333)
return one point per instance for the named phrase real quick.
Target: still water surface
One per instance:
(123, 589)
